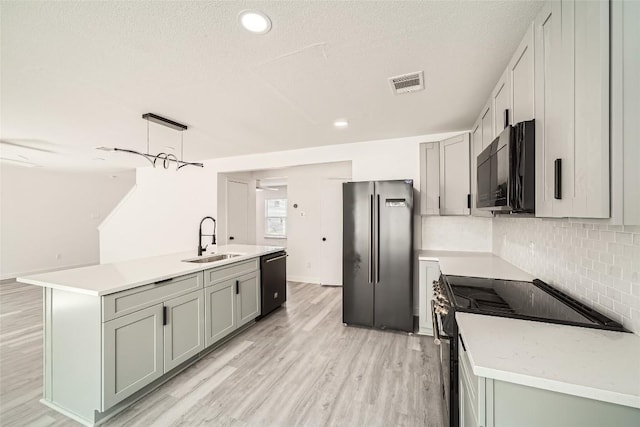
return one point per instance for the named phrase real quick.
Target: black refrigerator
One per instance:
(377, 288)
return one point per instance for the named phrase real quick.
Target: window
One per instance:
(275, 218)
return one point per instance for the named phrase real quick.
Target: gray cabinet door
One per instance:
(133, 354)
(220, 310)
(184, 329)
(247, 298)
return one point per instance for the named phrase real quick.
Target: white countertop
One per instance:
(591, 363)
(104, 279)
(474, 264)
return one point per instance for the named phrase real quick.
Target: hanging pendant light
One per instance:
(164, 159)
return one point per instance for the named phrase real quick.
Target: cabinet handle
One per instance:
(438, 202)
(160, 282)
(464, 347)
(506, 118)
(275, 259)
(557, 174)
(468, 201)
(164, 316)
(237, 287)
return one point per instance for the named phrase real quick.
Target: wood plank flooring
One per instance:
(297, 367)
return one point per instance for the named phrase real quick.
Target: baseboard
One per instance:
(303, 279)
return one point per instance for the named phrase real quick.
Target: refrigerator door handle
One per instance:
(378, 241)
(370, 272)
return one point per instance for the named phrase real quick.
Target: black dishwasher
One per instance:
(273, 281)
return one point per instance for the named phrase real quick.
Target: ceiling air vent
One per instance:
(407, 83)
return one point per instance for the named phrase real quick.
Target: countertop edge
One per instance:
(573, 389)
(152, 279)
(558, 386)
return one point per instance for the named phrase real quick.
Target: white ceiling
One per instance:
(78, 75)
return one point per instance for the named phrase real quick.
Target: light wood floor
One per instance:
(297, 367)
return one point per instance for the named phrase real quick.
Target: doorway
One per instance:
(299, 208)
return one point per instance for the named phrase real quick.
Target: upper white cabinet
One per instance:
(454, 176)
(475, 149)
(625, 111)
(444, 175)
(501, 101)
(572, 109)
(521, 78)
(487, 124)
(430, 178)
(513, 95)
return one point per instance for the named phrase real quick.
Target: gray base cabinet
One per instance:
(428, 273)
(184, 329)
(485, 402)
(220, 306)
(248, 297)
(232, 298)
(133, 354)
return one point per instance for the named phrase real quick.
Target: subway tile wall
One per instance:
(596, 263)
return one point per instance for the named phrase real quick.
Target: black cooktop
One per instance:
(523, 300)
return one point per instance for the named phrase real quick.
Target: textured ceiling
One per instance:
(77, 75)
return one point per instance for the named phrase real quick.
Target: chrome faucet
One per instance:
(213, 236)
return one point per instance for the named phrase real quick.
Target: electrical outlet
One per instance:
(308, 265)
(532, 248)
(58, 256)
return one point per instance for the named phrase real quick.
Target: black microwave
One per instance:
(506, 171)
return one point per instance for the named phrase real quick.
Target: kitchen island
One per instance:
(114, 332)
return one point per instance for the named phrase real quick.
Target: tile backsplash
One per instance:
(456, 233)
(596, 263)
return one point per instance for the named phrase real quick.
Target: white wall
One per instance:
(595, 262)
(457, 233)
(261, 196)
(161, 215)
(49, 219)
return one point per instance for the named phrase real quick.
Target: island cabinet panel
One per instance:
(72, 357)
(183, 329)
(133, 353)
(220, 309)
(231, 302)
(126, 302)
(248, 298)
(230, 271)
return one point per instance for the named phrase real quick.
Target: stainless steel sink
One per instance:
(211, 258)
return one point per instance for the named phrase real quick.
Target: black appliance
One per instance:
(377, 284)
(506, 171)
(534, 300)
(273, 281)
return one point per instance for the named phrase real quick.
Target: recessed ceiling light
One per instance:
(255, 21)
(341, 123)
